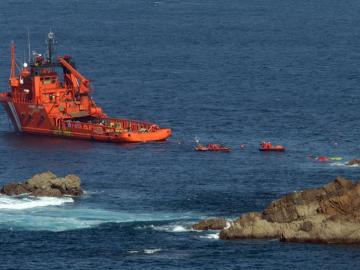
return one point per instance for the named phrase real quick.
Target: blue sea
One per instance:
(232, 72)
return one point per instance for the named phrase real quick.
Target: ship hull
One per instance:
(12, 114)
(33, 119)
(128, 137)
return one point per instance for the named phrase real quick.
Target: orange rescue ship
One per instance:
(41, 101)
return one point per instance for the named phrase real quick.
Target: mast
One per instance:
(51, 47)
(13, 81)
(29, 46)
(12, 68)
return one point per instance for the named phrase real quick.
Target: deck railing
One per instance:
(108, 126)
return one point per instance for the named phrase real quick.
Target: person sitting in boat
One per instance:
(265, 145)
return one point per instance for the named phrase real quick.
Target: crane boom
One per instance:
(84, 83)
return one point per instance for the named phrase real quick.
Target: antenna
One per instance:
(29, 46)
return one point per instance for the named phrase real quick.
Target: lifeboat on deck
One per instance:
(50, 97)
(212, 147)
(267, 146)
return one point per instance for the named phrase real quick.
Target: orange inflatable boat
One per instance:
(40, 101)
(212, 147)
(267, 146)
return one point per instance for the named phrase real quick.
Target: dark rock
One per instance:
(353, 162)
(14, 189)
(210, 224)
(46, 184)
(53, 192)
(329, 214)
(306, 226)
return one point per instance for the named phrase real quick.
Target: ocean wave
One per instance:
(152, 251)
(168, 228)
(61, 214)
(343, 164)
(176, 227)
(145, 251)
(16, 203)
(172, 228)
(210, 236)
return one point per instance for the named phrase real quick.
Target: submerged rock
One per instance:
(210, 224)
(330, 214)
(353, 162)
(45, 184)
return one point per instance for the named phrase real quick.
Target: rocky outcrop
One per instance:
(210, 224)
(330, 214)
(45, 184)
(353, 162)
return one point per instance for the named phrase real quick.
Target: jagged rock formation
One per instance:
(210, 224)
(330, 214)
(45, 184)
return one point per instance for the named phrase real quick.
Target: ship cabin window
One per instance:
(48, 80)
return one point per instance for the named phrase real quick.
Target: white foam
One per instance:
(210, 236)
(228, 225)
(168, 228)
(172, 228)
(152, 251)
(343, 164)
(16, 203)
(60, 214)
(179, 228)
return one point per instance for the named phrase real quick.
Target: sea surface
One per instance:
(232, 72)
